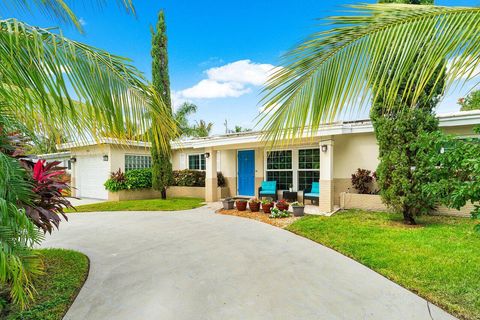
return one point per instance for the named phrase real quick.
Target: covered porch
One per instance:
(246, 164)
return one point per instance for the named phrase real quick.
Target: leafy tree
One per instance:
(453, 168)
(161, 165)
(396, 130)
(181, 117)
(390, 54)
(471, 102)
(202, 129)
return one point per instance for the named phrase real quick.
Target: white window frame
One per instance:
(199, 161)
(295, 163)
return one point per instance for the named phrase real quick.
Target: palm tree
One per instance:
(181, 117)
(202, 129)
(59, 87)
(332, 72)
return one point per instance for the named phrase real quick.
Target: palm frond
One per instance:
(333, 71)
(52, 83)
(59, 9)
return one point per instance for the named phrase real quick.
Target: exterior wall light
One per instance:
(207, 155)
(73, 160)
(324, 148)
(105, 157)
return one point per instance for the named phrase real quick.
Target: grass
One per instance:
(65, 273)
(171, 204)
(439, 260)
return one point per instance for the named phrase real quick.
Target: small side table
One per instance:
(290, 196)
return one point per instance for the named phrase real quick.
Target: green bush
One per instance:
(142, 179)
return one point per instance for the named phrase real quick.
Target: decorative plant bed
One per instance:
(260, 216)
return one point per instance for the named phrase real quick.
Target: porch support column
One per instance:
(326, 175)
(211, 175)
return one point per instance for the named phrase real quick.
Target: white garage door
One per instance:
(91, 174)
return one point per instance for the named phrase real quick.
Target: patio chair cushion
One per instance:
(312, 195)
(269, 187)
(315, 187)
(268, 192)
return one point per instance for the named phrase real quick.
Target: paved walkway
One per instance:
(199, 265)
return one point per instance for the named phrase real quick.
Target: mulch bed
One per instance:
(260, 216)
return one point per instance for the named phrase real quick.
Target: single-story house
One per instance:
(330, 157)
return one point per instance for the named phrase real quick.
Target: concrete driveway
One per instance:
(199, 265)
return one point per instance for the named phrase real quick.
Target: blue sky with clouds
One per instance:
(219, 51)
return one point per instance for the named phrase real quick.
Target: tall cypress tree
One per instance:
(396, 130)
(161, 165)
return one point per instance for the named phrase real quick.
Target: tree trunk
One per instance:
(164, 193)
(408, 217)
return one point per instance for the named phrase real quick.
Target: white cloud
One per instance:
(231, 80)
(242, 71)
(209, 89)
(82, 22)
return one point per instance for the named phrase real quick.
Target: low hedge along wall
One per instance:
(142, 179)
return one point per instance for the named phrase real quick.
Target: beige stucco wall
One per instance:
(117, 155)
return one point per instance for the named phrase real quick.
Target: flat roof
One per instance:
(454, 119)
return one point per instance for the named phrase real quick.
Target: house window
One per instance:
(279, 168)
(308, 167)
(137, 162)
(196, 161)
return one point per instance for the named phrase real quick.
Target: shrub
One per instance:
(116, 182)
(142, 179)
(139, 179)
(278, 214)
(361, 180)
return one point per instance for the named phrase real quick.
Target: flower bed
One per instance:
(260, 216)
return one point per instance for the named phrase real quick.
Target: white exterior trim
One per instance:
(463, 118)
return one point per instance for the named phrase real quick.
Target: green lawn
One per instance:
(171, 204)
(65, 273)
(439, 260)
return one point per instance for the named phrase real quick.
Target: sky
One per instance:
(220, 52)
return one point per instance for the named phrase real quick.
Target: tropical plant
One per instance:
(470, 102)
(161, 165)
(41, 69)
(333, 71)
(362, 180)
(49, 203)
(239, 129)
(202, 129)
(18, 234)
(181, 117)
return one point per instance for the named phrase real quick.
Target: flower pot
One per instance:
(254, 206)
(282, 206)
(241, 205)
(298, 211)
(267, 207)
(228, 204)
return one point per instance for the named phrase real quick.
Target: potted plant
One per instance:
(298, 209)
(267, 205)
(254, 205)
(241, 204)
(282, 205)
(228, 203)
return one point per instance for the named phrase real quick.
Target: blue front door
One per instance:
(246, 173)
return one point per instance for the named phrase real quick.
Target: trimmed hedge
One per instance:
(142, 179)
